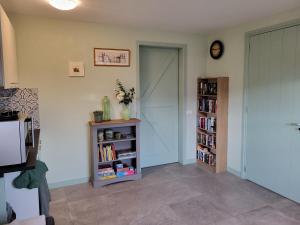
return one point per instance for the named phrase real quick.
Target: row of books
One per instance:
(124, 170)
(208, 140)
(205, 156)
(208, 123)
(207, 87)
(107, 153)
(207, 105)
(106, 173)
(118, 170)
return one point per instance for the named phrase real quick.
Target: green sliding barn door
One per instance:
(159, 105)
(273, 118)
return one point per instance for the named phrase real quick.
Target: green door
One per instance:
(159, 105)
(273, 111)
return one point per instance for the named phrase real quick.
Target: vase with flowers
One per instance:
(125, 97)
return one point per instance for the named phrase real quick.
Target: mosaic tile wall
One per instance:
(24, 100)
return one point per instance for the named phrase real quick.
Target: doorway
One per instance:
(272, 139)
(160, 104)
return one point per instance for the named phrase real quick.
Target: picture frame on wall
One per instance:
(76, 69)
(111, 57)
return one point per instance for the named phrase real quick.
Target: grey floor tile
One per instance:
(236, 201)
(188, 171)
(90, 210)
(283, 203)
(266, 216)
(114, 220)
(265, 195)
(292, 211)
(157, 216)
(227, 178)
(61, 213)
(168, 192)
(230, 221)
(155, 175)
(198, 211)
(205, 184)
(82, 191)
(122, 186)
(58, 195)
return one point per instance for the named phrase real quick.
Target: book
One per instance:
(208, 140)
(207, 105)
(207, 123)
(204, 155)
(107, 153)
(106, 172)
(207, 87)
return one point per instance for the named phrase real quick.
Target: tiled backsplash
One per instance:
(25, 100)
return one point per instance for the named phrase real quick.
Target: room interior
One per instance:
(149, 112)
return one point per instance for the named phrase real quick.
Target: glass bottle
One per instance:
(106, 108)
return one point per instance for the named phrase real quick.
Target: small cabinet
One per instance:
(115, 151)
(8, 55)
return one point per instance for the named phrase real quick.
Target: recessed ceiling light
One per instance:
(64, 4)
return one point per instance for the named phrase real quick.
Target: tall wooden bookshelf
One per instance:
(212, 123)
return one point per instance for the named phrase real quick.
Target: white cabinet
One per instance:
(8, 56)
(24, 202)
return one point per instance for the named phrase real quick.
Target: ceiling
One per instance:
(193, 16)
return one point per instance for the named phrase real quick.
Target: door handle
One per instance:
(296, 124)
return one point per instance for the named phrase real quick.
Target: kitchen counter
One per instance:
(31, 159)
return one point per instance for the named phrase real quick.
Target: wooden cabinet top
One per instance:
(114, 122)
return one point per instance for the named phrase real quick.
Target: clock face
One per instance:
(216, 49)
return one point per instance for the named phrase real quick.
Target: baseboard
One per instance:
(234, 172)
(68, 183)
(188, 161)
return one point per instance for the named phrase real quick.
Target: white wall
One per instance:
(232, 64)
(44, 48)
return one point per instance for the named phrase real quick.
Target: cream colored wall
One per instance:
(44, 47)
(232, 64)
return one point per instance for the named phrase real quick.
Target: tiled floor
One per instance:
(174, 195)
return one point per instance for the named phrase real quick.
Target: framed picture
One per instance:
(76, 69)
(111, 57)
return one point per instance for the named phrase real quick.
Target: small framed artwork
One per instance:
(111, 57)
(76, 69)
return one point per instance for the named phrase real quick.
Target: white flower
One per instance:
(121, 93)
(120, 97)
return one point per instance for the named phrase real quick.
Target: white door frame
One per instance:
(182, 52)
(248, 35)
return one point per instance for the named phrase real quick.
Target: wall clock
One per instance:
(216, 49)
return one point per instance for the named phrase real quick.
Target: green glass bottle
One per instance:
(106, 108)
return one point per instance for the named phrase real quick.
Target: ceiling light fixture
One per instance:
(64, 4)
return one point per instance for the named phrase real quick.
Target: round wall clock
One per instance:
(216, 49)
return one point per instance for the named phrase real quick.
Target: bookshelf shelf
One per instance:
(206, 131)
(116, 140)
(210, 148)
(212, 122)
(211, 113)
(120, 179)
(213, 96)
(115, 160)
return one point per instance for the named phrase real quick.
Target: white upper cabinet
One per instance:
(8, 56)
